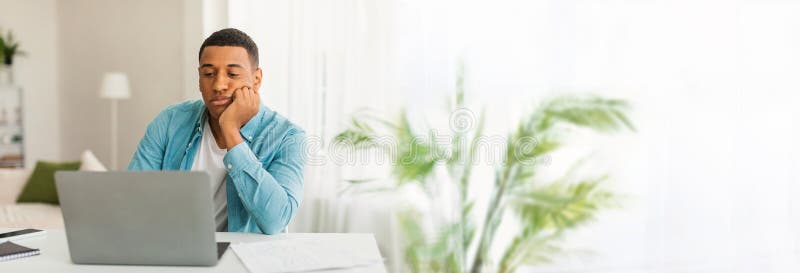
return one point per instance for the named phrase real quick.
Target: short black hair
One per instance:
(231, 37)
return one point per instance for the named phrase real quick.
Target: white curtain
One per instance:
(710, 173)
(322, 61)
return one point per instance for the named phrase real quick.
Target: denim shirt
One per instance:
(264, 182)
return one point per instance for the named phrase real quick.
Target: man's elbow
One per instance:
(279, 223)
(273, 229)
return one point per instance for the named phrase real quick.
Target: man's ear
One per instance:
(257, 79)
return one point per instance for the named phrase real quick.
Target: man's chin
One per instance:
(215, 111)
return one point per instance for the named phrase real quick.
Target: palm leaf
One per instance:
(547, 212)
(561, 206)
(604, 115)
(415, 239)
(530, 247)
(416, 157)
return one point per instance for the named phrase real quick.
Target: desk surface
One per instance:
(55, 254)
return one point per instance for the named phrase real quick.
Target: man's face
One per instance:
(222, 70)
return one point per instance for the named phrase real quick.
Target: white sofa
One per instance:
(24, 215)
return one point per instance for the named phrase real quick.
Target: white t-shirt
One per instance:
(209, 158)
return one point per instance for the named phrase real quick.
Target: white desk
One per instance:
(54, 255)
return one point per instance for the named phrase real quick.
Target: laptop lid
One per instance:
(138, 218)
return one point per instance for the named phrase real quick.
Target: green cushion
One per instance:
(41, 186)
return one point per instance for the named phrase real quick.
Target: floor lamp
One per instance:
(115, 87)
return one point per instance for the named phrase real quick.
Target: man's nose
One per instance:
(220, 83)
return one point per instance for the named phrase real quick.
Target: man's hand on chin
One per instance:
(243, 107)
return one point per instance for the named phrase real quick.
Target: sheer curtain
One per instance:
(710, 173)
(321, 61)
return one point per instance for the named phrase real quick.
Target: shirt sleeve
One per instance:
(150, 152)
(272, 194)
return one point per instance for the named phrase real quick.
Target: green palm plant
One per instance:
(545, 209)
(9, 48)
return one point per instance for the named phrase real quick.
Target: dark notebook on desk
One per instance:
(10, 251)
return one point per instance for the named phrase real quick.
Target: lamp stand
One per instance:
(114, 134)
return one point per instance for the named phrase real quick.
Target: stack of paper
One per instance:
(300, 255)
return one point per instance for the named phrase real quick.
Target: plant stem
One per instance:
(487, 238)
(483, 244)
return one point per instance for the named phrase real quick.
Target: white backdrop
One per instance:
(710, 173)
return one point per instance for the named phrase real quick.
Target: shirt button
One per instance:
(250, 137)
(199, 130)
(230, 166)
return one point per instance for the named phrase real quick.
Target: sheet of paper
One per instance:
(299, 255)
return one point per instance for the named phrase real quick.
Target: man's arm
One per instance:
(150, 152)
(270, 195)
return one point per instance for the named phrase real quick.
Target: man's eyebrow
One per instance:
(229, 65)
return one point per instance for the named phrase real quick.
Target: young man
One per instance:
(254, 156)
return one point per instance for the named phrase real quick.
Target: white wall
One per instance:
(34, 25)
(141, 38)
(71, 43)
(200, 19)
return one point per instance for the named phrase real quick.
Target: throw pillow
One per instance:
(41, 186)
(89, 162)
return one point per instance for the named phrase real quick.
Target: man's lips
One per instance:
(220, 100)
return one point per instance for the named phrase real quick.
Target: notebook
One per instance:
(10, 251)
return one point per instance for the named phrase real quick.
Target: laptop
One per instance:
(139, 218)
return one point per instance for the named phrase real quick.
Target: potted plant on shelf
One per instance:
(545, 210)
(9, 49)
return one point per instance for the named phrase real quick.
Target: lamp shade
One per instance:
(115, 86)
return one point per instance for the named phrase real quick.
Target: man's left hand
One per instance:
(243, 107)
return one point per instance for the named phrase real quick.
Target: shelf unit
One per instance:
(12, 152)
